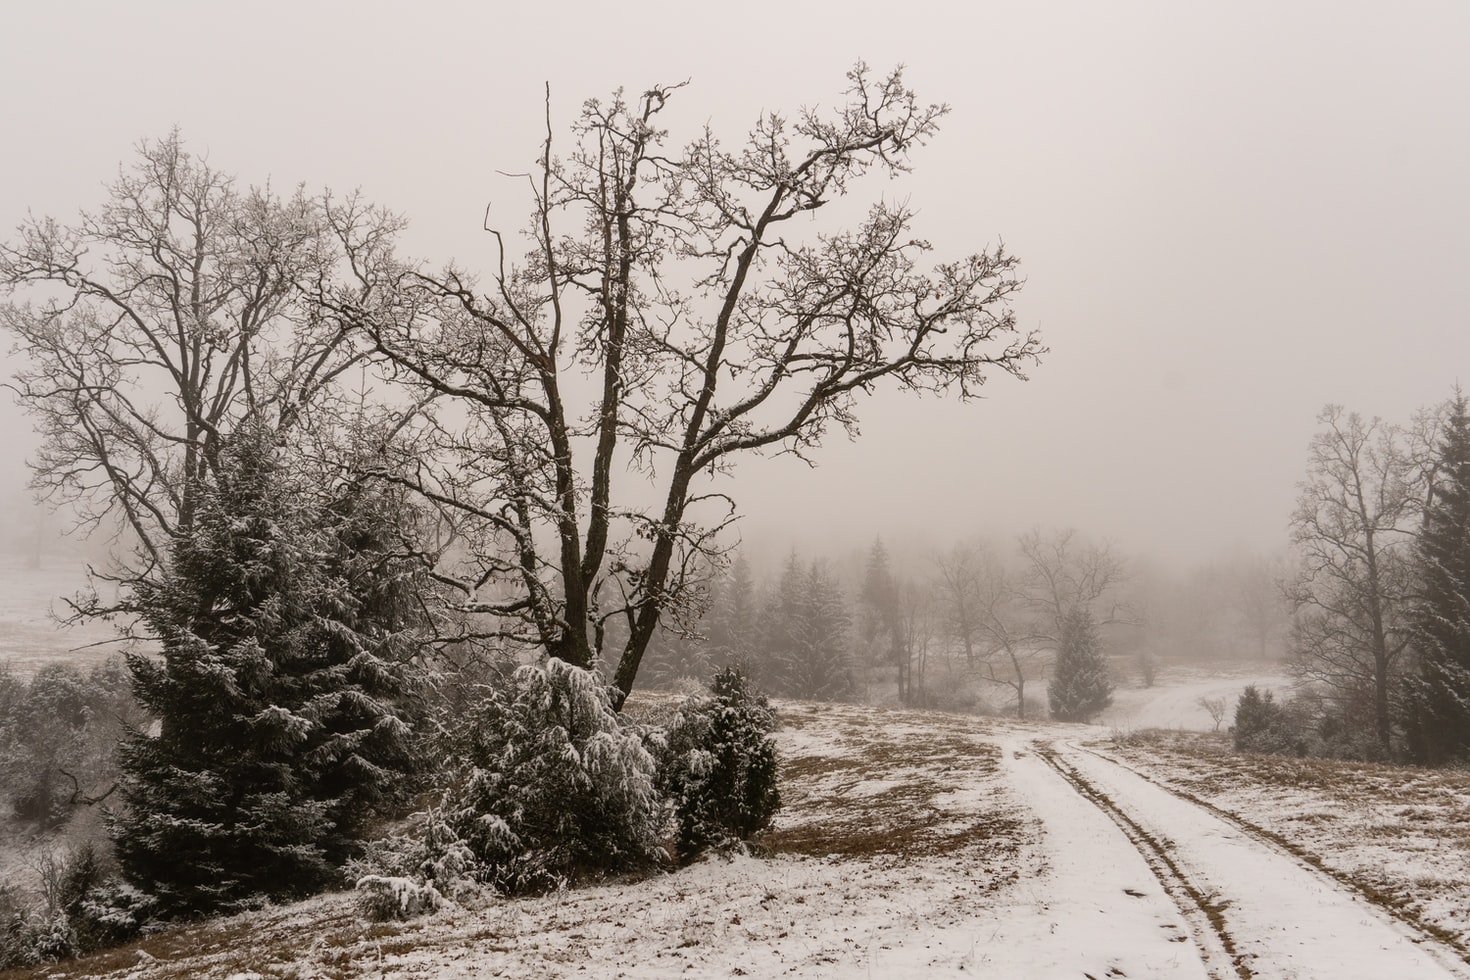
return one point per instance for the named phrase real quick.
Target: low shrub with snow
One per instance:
(382, 897)
(83, 906)
(718, 767)
(546, 784)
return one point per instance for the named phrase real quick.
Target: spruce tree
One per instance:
(817, 664)
(1080, 687)
(286, 626)
(733, 619)
(779, 626)
(879, 619)
(1438, 702)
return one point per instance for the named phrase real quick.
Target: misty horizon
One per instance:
(1222, 227)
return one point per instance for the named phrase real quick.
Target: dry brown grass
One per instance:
(878, 788)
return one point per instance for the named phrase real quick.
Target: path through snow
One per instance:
(1098, 910)
(1285, 919)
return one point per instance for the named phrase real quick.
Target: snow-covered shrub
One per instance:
(75, 912)
(111, 913)
(28, 937)
(19, 929)
(547, 783)
(382, 898)
(1262, 725)
(431, 854)
(718, 766)
(59, 923)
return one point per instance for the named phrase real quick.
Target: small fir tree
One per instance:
(1438, 701)
(282, 691)
(779, 629)
(1262, 725)
(718, 766)
(1080, 687)
(732, 621)
(878, 620)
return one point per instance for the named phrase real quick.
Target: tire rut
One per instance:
(1267, 838)
(1204, 912)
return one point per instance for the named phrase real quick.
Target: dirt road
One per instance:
(1246, 908)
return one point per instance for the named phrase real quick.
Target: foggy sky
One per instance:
(1227, 214)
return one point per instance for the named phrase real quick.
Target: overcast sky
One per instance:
(1228, 214)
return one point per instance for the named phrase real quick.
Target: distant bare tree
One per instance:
(669, 318)
(1061, 572)
(1148, 668)
(1014, 652)
(1257, 599)
(1354, 523)
(1216, 708)
(956, 584)
(1069, 585)
(915, 634)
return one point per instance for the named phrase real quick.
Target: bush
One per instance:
(718, 767)
(382, 898)
(432, 857)
(1262, 725)
(58, 738)
(547, 784)
(82, 907)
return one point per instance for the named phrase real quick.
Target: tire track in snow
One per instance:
(1099, 910)
(1280, 917)
(1203, 912)
(1285, 846)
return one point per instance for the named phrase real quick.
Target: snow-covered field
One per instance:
(30, 598)
(1175, 702)
(921, 844)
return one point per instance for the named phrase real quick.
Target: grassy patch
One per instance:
(884, 789)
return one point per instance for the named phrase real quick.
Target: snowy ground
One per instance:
(1275, 915)
(29, 634)
(918, 844)
(1175, 701)
(1399, 835)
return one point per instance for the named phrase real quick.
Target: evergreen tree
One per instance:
(287, 625)
(732, 622)
(719, 767)
(817, 665)
(879, 617)
(1080, 687)
(674, 657)
(1438, 703)
(546, 783)
(779, 629)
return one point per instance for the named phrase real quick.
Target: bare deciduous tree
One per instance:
(670, 317)
(153, 326)
(1061, 572)
(1014, 652)
(957, 588)
(1353, 526)
(1216, 709)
